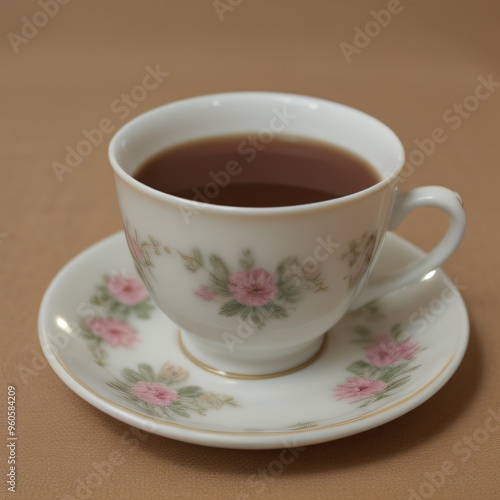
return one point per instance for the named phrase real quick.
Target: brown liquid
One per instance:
(243, 171)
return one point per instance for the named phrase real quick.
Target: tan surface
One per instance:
(66, 78)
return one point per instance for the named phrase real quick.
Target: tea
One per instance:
(242, 171)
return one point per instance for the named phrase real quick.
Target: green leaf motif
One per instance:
(192, 391)
(197, 256)
(98, 353)
(246, 313)
(396, 332)
(246, 260)
(217, 401)
(390, 349)
(362, 331)
(153, 242)
(232, 308)
(131, 375)
(389, 373)
(275, 310)
(369, 312)
(191, 262)
(361, 368)
(102, 297)
(87, 335)
(289, 267)
(179, 409)
(107, 307)
(146, 372)
(398, 383)
(144, 308)
(292, 282)
(290, 288)
(219, 285)
(364, 335)
(258, 317)
(189, 399)
(220, 269)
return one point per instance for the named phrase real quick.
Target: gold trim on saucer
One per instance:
(168, 423)
(242, 376)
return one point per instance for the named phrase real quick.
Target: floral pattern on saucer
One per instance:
(162, 394)
(317, 417)
(389, 360)
(253, 293)
(120, 297)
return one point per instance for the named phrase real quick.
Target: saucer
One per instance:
(110, 344)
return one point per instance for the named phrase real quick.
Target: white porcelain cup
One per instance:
(254, 290)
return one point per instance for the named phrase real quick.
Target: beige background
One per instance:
(65, 79)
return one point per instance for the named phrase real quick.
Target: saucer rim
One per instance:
(250, 439)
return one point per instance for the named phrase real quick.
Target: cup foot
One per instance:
(253, 365)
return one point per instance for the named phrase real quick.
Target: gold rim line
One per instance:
(245, 434)
(242, 376)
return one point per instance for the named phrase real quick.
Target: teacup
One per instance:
(310, 264)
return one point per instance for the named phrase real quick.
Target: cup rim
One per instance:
(214, 207)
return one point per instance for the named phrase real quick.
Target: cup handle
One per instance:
(429, 196)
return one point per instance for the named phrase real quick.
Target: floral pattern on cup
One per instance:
(142, 251)
(251, 292)
(359, 257)
(389, 360)
(163, 395)
(120, 297)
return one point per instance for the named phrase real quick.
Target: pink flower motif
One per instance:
(154, 393)
(205, 293)
(387, 352)
(128, 290)
(136, 250)
(114, 332)
(356, 389)
(252, 288)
